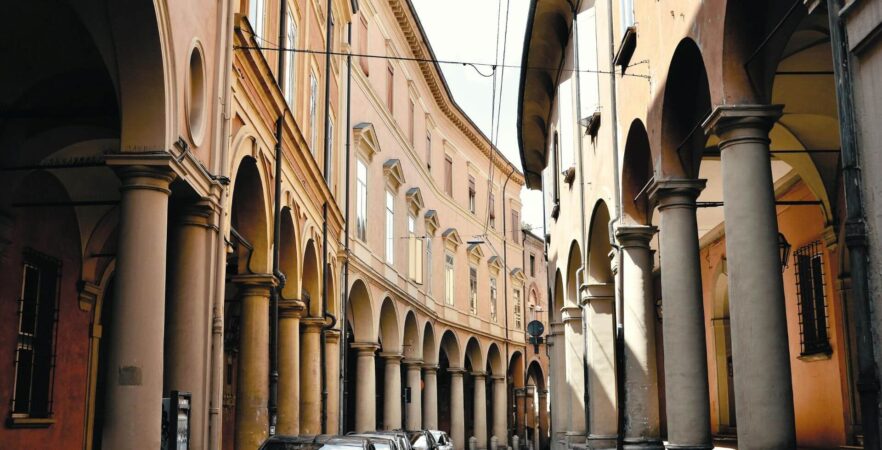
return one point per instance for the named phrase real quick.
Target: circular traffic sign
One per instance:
(535, 328)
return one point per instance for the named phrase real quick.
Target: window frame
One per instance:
(257, 11)
(291, 62)
(361, 195)
(494, 293)
(44, 265)
(390, 88)
(428, 264)
(449, 279)
(518, 322)
(473, 289)
(448, 175)
(473, 194)
(313, 114)
(811, 298)
(390, 227)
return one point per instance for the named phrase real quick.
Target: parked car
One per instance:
(400, 437)
(442, 440)
(349, 443)
(422, 440)
(379, 441)
(311, 442)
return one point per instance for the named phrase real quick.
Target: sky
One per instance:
(466, 30)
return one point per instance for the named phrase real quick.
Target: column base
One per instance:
(643, 444)
(602, 441)
(688, 447)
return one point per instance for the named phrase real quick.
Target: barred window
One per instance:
(35, 346)
(810, 295)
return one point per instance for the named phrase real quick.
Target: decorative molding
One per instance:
(365, 139)
(451, 238)
(394, 174)
(432, 222)
(414, 199)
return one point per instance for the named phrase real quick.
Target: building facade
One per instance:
(199, 199)
(712, 240)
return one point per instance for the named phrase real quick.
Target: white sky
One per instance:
(466, 30)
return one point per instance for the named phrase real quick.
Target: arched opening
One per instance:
(516, 383)
(289, 262)
(536, 407)
(636, 175)
(599, 248)
(449, 358)
(474, 362)
(311, 280)
(359, 328)
(574, 261)
(723, 358)
(390, 346)
(686, 104)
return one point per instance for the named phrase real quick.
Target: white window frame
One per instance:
(428, 264)
(449, 278)
(390, 228)
(313, 114)
(257, 17)
(493, 296)
(517, 309)
(290, 61)
(473, 289)
(361, 191)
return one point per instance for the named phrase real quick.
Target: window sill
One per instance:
(29, 422)
(822, 355)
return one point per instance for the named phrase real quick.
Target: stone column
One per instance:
(599, 303)
(332, 366)
(430, 397)
(641, 383)
(252, 417)
(558, 382)
(134, 378)
(686, 388)
(392, 391)
(457, 408)
(310, 376)
(366, 388)
(543, 418)
(480, 409)
(758, 320)
(575, 372)
(521, 408)
(414, 382)
(500, 411)
(289, 367)
(188, 318)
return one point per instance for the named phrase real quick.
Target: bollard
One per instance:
(530, 445)
(494, 442)
(473, 443)
(515, 442)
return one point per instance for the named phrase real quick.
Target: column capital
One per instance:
(543, 393)
(392, 357)
(498, 378)
(571, 313)
(412, 363)
(365, 348)
(430, 368)
(637, 236)
(479, 374)
(256, 283)
(136, 176)
(196, 214)
(597, 292)
(332, 336)
(291, 309)
(555, 329)
(726, 118)
(456, 372)
(312, 324)
(673, 192)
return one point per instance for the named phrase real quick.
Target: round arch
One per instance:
(574, 261)
(360, 312)
(289, 263)
(412, 346)
(311, 279)
(637, 171)
(430, 352)
(249, 217)
(390, 339)
(599, 269)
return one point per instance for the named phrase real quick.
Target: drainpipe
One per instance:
(855, 228)
(580, 273)
(619, 309)
(329, 23)
(272, 404)
(548, 282)
(220, 166)
(345, 290)
(505, 282)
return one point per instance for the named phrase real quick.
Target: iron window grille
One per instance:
(34, 377)
(811, 301)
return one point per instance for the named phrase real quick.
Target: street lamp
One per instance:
(783, 250)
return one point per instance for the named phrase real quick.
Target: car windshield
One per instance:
(382, 446)
(419, 441)
(283, 445)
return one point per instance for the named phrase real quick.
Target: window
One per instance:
(556, 170)
(493, 299)
(515, 226)
(290, 62)
(627, 14)
(492, 218)
(390, 228)
(473, 290)
(472, 194)
(363, 44)
(448, 175)
(532, 265)
(810, 294)
(361, 201)
(411, 124)
(330, 174)
(448, 279)
(428, 150)
(517, 309)
(390, 88)
(414, 251)
(34, 350)
(256, 15)
(313, 104)
(429, 264)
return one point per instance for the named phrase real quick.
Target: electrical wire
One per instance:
(473, 64)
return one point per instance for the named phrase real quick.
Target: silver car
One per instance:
(442, 440)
